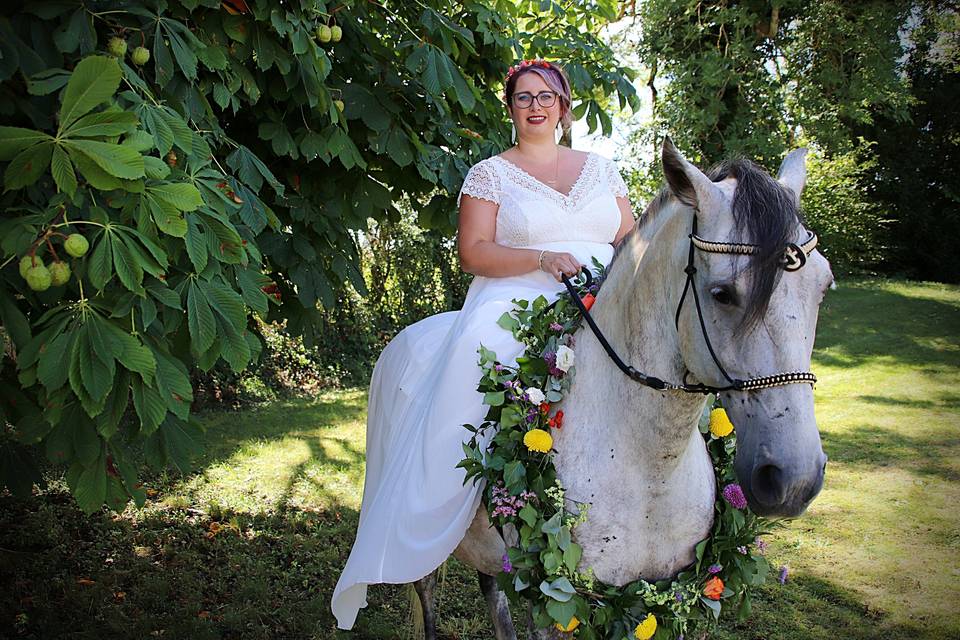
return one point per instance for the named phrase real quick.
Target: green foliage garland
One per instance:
(522, 489)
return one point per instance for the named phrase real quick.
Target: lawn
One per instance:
(251, 544)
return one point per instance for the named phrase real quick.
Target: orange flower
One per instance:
(588, 301)
(544, 408)
(714, 588)
(557, 420)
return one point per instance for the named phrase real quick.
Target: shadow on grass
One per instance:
(864, 320)
(167, 572)
(810, 608)
(873, 446)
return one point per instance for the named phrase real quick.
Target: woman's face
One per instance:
(534, 122)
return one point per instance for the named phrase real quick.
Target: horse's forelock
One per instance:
(765, 214)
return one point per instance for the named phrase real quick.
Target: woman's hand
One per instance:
(556, 264)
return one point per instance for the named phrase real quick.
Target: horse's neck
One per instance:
(635, 311)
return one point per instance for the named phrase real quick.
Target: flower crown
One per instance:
(539, 62)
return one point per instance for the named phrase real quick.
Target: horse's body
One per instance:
(634, 453)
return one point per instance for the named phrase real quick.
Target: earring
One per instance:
(513, 133)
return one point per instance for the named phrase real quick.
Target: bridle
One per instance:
(794, 258)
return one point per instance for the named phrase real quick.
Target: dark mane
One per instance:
(765, 213)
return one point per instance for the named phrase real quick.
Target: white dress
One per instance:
(415, 507)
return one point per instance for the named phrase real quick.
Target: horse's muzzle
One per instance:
(772, 491)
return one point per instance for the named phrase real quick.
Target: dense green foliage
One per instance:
(868, 85)
(914, 175)
(352, 333)
(200, 149)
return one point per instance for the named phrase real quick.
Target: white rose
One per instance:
(564, 358)
(536, 396)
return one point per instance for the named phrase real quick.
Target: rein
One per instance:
(795, 256)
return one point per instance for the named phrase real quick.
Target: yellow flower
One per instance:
(538, 440)
(646, 629)
(720, 424)
(574, 623)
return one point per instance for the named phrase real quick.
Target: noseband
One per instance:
(794, 258)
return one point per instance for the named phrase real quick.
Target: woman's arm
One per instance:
(481, 256)
(626, 219)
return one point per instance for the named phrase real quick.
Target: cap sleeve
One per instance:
(617, 186)
(482, 182)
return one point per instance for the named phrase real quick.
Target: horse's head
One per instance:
(759, 314)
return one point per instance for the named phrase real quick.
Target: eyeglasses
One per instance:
(524, 99)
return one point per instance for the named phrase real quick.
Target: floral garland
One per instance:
(522, 489)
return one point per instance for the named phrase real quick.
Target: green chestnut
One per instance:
(38, 278)
(59, 273)
(76, 245)
(140, 56)
(117, 47)
(26, 262)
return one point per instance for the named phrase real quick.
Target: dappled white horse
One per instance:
(706, 290)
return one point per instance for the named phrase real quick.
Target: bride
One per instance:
(527, 216)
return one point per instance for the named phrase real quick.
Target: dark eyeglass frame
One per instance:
(552, 99)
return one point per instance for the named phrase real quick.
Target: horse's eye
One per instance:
(723, 294)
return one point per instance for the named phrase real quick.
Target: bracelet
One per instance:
(540, 259)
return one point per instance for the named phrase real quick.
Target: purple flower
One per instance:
(556, 326)
(742, 550)
(507, 565)
(782, 578)
(733, 494)
(498, 367)
(761, 545)
(551, 359)
(678, 596)
(715, 569)
(531, 418)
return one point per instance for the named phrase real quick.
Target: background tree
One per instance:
(850, 80)
(215, 158)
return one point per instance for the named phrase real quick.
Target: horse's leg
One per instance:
(498, 607)
(425, 587)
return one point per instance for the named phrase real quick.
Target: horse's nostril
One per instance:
(767, 485)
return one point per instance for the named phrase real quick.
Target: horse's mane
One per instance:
(765, 213)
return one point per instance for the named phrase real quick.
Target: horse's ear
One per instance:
(793, 172)
(686, 181)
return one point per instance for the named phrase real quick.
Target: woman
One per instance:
(527, 216)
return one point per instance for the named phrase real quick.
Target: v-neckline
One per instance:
(573, 187)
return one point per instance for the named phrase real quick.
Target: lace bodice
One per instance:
(532, 213)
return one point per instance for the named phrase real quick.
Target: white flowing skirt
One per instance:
(415, 508)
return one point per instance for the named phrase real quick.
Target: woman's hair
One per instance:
(555, 78)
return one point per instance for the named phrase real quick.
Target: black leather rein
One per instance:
(795, 256)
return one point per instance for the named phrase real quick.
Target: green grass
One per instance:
(876, 556)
